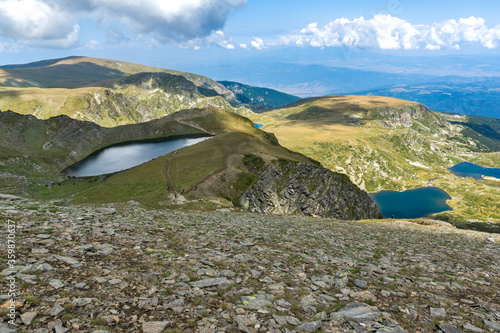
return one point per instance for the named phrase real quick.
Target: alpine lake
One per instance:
(424, 201)
(126, 155)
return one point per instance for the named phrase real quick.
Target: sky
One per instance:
(170, 33)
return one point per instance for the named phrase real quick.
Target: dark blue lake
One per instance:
(467, 169)
(126, 156)
(411, 204)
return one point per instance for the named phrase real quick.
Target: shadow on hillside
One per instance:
(64, 76)
(340, 114)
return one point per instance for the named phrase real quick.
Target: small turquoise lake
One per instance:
(127, 155)
(467, 169)
(410, 204)
(257, 125)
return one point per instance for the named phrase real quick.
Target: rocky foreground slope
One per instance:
(124, 268)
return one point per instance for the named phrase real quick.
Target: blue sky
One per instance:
(168, 33)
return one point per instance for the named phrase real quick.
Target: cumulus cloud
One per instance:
(38, 23)
(392, 33)
(54, 23)
(215, 38)
(258, 43)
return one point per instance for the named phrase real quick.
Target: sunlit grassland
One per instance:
(378, 157)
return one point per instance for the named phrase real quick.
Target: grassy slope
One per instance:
(51, 145)
(351, 134)
(183, 169)
(75, 72)
(85, 89)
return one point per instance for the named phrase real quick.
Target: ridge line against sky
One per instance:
(225, 28)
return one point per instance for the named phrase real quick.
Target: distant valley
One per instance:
(478, 96)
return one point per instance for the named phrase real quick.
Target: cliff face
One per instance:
(286, 187)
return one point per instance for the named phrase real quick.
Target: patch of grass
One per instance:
(33, 300)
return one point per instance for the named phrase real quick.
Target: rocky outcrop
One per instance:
(407, 114)
(286, 187)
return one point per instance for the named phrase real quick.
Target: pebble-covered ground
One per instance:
(124, 268)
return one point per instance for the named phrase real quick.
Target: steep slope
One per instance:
(93, 89)
(389, 144)
(227, 165)
(259, 99)
(29, 144)
(133, 99)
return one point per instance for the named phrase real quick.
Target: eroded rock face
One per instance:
(286, 187)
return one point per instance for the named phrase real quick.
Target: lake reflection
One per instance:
(126, 156)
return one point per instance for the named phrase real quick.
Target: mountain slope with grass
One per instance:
(106, 92)
(384, 143)
(112, 93)
(226, 166)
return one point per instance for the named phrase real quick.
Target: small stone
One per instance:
(449, 328)
(114, 281)
(106, 211)
(209, 282)
(438, 312)
(28, 317)
(81, 285)
(39, 250)
(43, 268)
(56, 283)
(56, 310)
(256, 302)
(101, 279)
(363, 295)
(489, 240)
(67, 260)
(495, 327)
(321, 316)
(4, 328)
(472, 328)
(43, 236)
(359, 312)
(292, 320)
(61, 329)
(309, 327)
(81, 301)
(360, 283)
(154, 326)
(227, 273)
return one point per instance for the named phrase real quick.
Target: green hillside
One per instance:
(390, 144)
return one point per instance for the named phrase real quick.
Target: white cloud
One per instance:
(37, 23)
(392, 33)
(258, 43)
(54, 23)
(3, 46)
(216, 38)
(243, 46)
(93, 45)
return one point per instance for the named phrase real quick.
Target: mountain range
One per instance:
(470, 95)
(329, 150)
